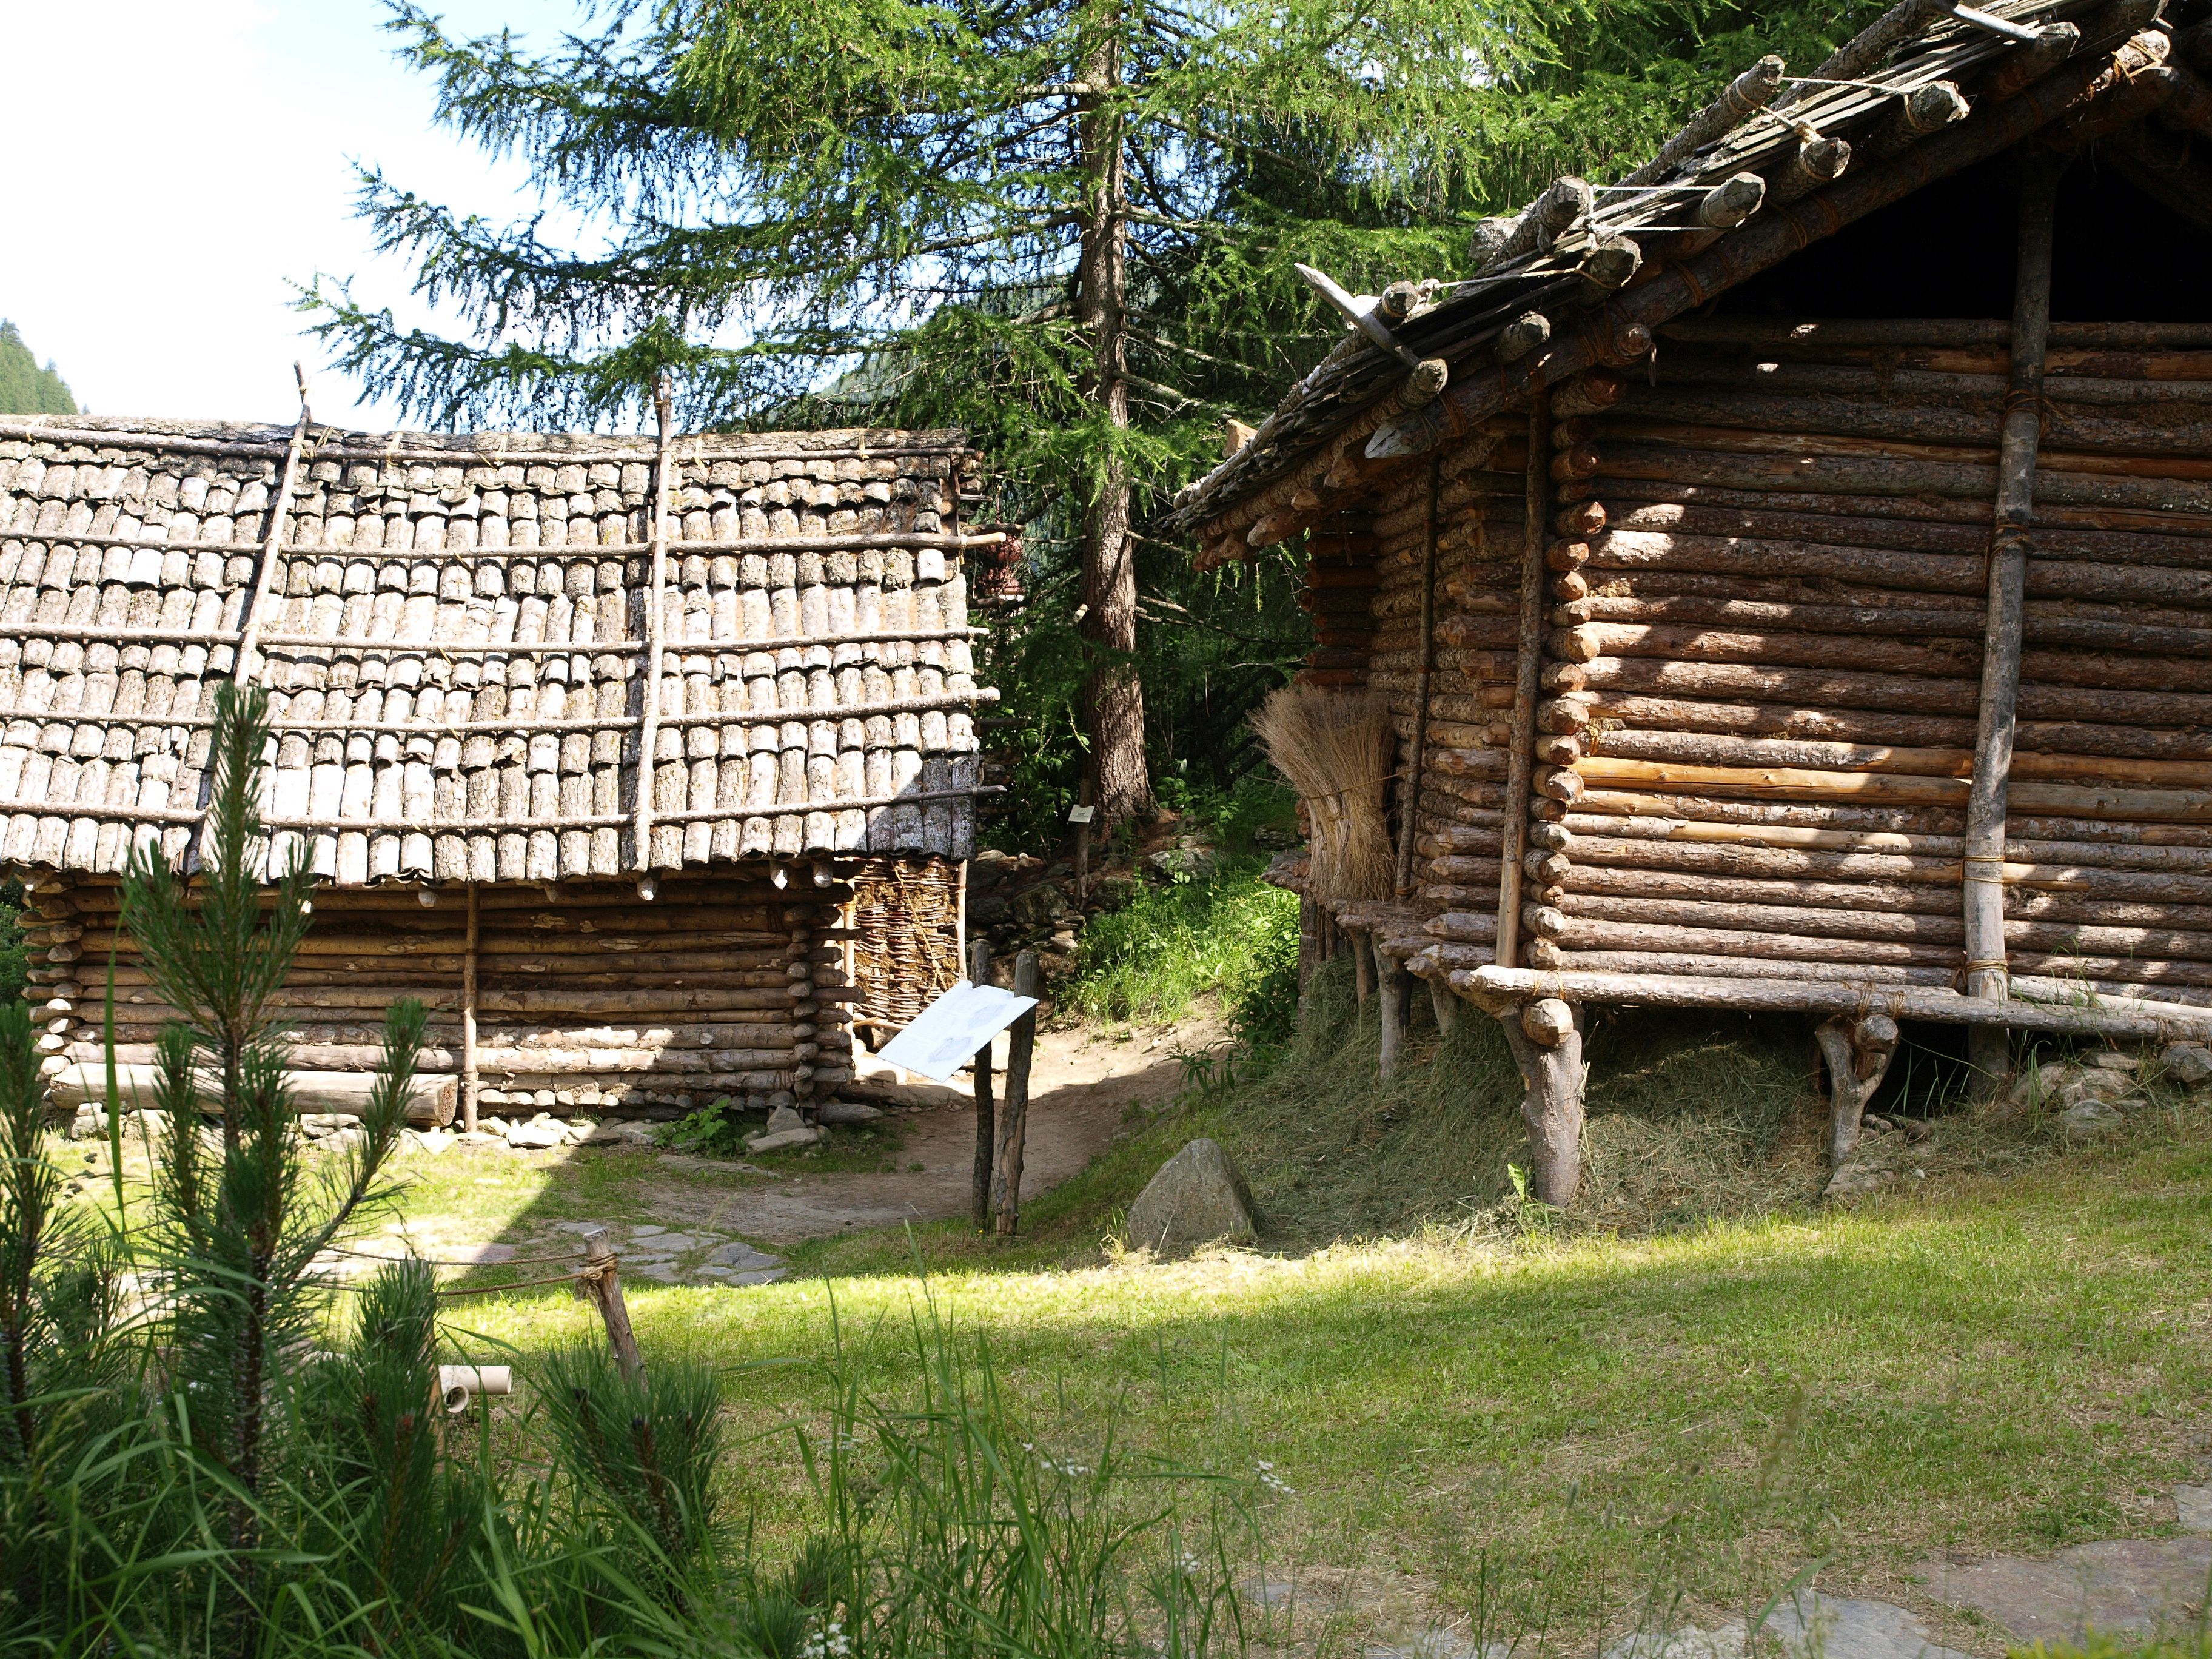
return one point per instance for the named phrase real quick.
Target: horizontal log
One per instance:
(1719, 749)
(429, 1099)
(1496, 985)
(1837, 689)
(1897, 526)
(1863, 474)
(1596, 834)
(1464, 926)
(2168, 632)
(1593, 934)
(1810, 334)
(2095, 898)
(1663, 962)
(1864, 922)
(1964, 423)
(2165, 525)
(1709, 373)
(2174, 805)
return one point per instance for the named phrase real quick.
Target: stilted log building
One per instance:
(1790, 567)
(469, 643)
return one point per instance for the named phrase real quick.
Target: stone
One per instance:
(537, 1135)
(1177, 864)
(782, 1121)
(2189, 1064)
(740, 1255)
(1859, 1175)
(789, 1139)
(2112, 1060)
(2140, 1585)
(89, 1124)
(2088, 1119)
(1809, 1626)
(2193, 1505)
(846, 1112)
(341, 1141)
(1197, 1197)
(620, 1132)
(2089, 1083)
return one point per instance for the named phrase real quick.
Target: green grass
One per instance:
(1152, 962)
(1977, 1364)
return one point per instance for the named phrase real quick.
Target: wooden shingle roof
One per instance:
(456, 631)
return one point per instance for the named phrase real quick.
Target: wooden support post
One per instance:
(979, 1198)
(470, 1081)
(1363, 965)
(1395, 986)
(1986, 980)
(1409, 787)
(1445, 1005)
(648, 730)
(602, 1282)
(1858, 1052)
(1528, 667)
(1021, 1050)
(1547, 1039)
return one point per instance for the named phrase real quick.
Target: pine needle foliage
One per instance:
(1067, 226)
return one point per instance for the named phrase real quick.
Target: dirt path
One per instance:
(1081, 1083)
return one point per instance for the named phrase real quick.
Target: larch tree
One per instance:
(1067, 225)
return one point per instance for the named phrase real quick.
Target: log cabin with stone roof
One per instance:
(469, 641)
(1789, 569)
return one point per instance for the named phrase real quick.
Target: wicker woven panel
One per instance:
(907, 913)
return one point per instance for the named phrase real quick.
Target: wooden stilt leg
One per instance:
(1446, 1005)
(1547, 1039)
(1395, 985)
(1363, 966)
(1858, 1052)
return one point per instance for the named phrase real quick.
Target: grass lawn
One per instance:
(1550, 1429)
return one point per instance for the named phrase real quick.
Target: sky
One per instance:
(177, 166)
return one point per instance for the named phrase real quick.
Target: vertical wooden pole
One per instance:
(979, 1196)
(1394, 984)
(256, 609)
(1363, 966)
(648, 731)
(1527, 665)
(1021, 1050)
(1988, 1046)
(470, 1080)
(604, 1286)
(1409, 787)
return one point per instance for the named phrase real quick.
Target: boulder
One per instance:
(784, 1141)
(2087, 1118)
(1185, 862)
(846, 1111)
(1199, 1197)
(2189, 1064)
(537, 1135)
(782, 1121)
(2112, 1060)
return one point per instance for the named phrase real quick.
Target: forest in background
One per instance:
(25, 388)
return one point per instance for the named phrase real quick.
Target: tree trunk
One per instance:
(1113, 695)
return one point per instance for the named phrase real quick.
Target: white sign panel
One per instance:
(946, 1036)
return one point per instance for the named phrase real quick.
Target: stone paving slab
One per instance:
(2139, 1585)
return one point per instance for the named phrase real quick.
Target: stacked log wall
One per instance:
(589, 998)
(1765, 654)
(1451, 757)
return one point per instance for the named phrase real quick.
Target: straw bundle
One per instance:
(1336, 748)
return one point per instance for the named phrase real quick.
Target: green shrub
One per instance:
(1153, 960)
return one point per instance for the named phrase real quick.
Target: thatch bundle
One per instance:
(1336, 748)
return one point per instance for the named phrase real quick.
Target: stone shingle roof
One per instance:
(455, 633)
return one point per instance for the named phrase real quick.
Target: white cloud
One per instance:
(174, 166)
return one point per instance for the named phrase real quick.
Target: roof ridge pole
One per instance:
(272, 548)
(1986, 977)
(649, 734)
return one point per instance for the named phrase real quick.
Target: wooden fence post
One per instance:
(979, 1200)
(1021, 1050)
(602, 1282)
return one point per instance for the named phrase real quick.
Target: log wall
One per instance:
(1765, 666)
(588, 997)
